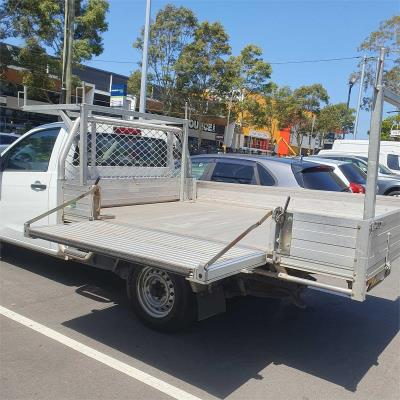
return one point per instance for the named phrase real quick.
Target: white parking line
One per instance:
(135, 373)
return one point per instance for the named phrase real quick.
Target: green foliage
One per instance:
(36, 73)
(43, 21)
(134, 84)
(297, 108)
(253, 73)
(248, 76)
(201, 69)
(190, 61)
(389, 123)
(388, 36)
(335, 118)
(172, 30)
(7, 55)
(202, 62)
(41, 25)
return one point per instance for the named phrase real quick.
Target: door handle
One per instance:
(38, 186)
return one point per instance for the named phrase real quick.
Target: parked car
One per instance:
(388, 182)
(266, 171)
(6, 139)
(354, 178)
(389, 154)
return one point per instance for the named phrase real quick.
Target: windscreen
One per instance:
(353, 173)
(320, 178)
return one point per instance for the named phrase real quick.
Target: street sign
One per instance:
(118, 95)
(119, 89)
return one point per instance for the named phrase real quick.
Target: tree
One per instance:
(41, 25)
(203, 62)
(335, 118)
(248, 75)
(298, 108)
(44, 21)
(387, 36)
(201, 68)
(389, 123)
(172, 30)
(37, 72)
(134, 84)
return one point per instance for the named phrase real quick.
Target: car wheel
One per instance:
(394, 193)
(162, 300)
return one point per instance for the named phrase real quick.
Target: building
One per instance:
(13, 119)
(204, 136)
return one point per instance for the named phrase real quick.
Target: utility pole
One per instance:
(374, 140)
(143, 81)
(67, 52)
(310, 136)
(359, 97)
(229, 117)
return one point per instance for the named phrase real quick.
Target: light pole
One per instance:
(143, 81)
(352, 81)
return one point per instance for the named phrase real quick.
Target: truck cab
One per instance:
(29, 182)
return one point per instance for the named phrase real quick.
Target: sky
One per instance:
(286, 30)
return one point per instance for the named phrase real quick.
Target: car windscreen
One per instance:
(319, 177)
(353, 173)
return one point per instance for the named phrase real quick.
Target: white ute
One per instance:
(112, 189)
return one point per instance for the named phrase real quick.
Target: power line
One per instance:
(272, 63)
(315, 61)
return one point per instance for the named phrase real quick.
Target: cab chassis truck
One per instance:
(115, 192)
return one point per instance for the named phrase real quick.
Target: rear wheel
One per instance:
(161, 300)
(395, 193)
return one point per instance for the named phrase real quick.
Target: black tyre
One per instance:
(163, 301)
(395, 193)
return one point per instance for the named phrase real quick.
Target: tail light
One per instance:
(357, 188)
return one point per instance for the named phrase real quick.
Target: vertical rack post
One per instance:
(83, 146)
(184, 156)
(374, 140)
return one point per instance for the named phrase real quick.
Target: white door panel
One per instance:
(27, 178)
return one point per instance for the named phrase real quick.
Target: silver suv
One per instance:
(267, 171)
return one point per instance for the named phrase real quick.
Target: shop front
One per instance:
(257, 142)
(206, 137)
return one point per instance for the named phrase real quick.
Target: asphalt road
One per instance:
(335, 349)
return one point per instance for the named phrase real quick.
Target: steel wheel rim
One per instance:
(155, 292)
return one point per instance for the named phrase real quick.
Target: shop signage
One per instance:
(219, 130)
(259, 135)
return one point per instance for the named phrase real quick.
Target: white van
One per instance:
(389, 154)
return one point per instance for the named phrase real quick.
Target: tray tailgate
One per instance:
(172, 251)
